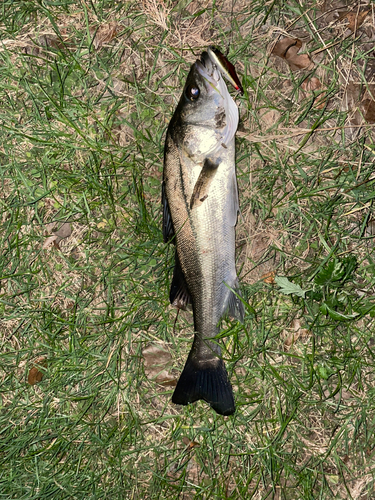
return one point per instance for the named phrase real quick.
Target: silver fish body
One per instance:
(200, 199)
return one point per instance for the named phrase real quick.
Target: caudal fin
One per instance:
(208, 381)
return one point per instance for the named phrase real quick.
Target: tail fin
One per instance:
(206, 380)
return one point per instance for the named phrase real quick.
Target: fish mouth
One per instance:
(207, 68)
(206, 60)
(213, 65)
(227, 111)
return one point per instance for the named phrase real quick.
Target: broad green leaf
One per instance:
(325, 309)
(288, 288)
(336, 272)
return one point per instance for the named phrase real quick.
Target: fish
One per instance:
(200, 208)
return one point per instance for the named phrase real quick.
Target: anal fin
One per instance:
(235, 306)
(179, 295)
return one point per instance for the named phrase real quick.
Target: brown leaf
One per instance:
(312, 84)
(288, 49)
(51, 241)
(269, 277)
(35, 375)
(62, 230)
(315, 84)
(190, 444)
(65, 231)
(156, 360)
(50, 40)
(320, 102)
(298, 61)
(282, 46)
(349, 104)
(368, 110)
(155, 354)
(59, 233)
(294, 333)
(270, 118)
(51, 227)
(355, 18)
(105, 34)
(166, 379)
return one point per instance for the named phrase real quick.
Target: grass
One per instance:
(87, 91)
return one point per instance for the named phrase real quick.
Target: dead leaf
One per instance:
(315, 84)
(355, 18)
(312, 84)
(349, 104)
(50, 227)
(368, 110)
(282, 46)
(370, 229)
(157, 360)
(166, 379)
(270, 118)
(65, 231)
(190, 444)
(288, 49)
(292, 334)
(35, 375)
(298, 61)
(351, 96)
(105, 34)
(155, 354)
(59, 233)
(269, 277)
(51, 241)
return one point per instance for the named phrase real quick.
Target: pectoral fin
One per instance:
(202, 186)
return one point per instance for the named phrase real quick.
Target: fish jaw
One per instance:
(204, 127)
(211, 72)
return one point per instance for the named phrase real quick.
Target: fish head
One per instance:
(207, 116)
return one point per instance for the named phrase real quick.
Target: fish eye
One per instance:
(192, 93)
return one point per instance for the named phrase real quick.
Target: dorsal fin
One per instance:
(168, 231)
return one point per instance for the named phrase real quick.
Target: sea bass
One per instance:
(200, 207)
